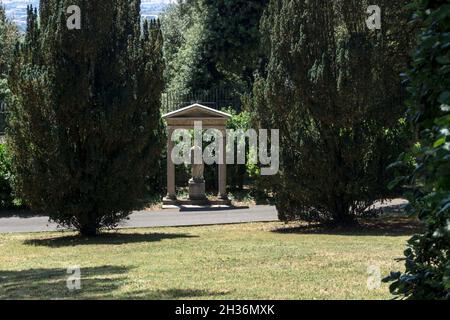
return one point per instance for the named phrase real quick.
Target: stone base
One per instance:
(170, 201)
(205, 203)
(197, 190)
(220, 202)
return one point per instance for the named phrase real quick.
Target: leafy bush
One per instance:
(7, 200)
(238, 173)
(211, 44)
(427, 274)
(8, 38)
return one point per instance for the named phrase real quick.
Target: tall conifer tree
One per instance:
(85, 124)
(212, 44)
(8, 39)
(333, 88)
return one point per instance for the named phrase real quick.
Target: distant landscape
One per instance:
(17, 9)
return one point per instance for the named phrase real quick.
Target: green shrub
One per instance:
(6, 179)
(238, 173)
(427, 274)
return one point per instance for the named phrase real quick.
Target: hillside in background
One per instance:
(16, 9)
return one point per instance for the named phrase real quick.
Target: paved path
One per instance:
(173, 218)
(146, 219)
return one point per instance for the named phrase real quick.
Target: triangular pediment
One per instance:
(196, 111)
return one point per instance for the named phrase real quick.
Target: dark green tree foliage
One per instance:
(334, 91)
(234, 37)
(3, 35)
(8, 39)
(237, 173)
(6, 191)
(85, 123)
(212, 44)
(427, 274)
(182, 27)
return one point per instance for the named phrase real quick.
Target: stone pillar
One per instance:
(171, 189)
(223, 166)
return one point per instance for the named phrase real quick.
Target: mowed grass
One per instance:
(245, 261)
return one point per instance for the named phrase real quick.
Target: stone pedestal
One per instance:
(197, 190)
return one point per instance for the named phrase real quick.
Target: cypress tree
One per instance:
(8, 39)
(334, 91)
(212, 43)
(85, 123)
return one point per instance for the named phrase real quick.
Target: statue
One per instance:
(197, 183)
(197, 169)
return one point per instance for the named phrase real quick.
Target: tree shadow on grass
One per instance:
(106, 239)
(173, 294)
(52, 283)
(392, 226)
(96, 283)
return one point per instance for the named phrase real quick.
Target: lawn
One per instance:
(246, 261)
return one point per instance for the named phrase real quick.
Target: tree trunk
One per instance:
(88, 225)
(341, 213)
(88, 230)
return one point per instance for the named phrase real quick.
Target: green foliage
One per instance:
(8, 39)
(211, 44)
(182, 29)
(85, 128)
(237, 174)
(6, 178)
(427, 274)
(233, 35)
(334, 91)
(241, 120)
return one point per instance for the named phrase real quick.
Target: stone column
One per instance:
(171, 190)
(223, 166)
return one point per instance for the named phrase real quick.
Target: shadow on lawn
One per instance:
(96, 282)
(396, 226)
(106, 239)
(172, 294)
